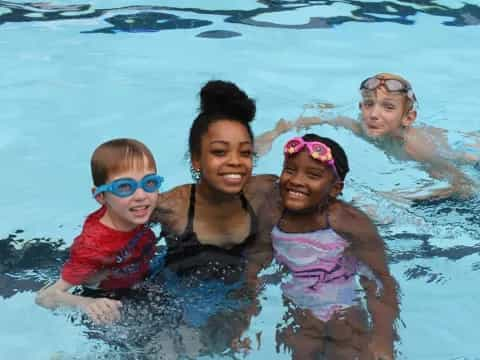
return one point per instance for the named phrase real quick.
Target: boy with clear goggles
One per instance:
(388, 111)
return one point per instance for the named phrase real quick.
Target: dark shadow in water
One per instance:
(219, 34)
(24, 264)
(154, 18)
(148, 22)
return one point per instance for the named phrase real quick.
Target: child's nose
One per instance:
(139, 193)
(375, 111)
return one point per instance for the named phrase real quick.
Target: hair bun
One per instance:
(224, 98)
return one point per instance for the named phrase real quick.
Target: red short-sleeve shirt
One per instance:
(94, 255)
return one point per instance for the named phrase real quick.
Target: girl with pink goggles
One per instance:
(317, 150)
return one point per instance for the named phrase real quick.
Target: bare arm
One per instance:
(434, 154)
(369, 248)
(101, 310)
(305, 122)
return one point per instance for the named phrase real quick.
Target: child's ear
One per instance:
(336, 188)
(360, 105)
(100, 197)
(409, 118)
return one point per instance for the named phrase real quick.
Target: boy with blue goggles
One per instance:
(125, 187)
(116, 245)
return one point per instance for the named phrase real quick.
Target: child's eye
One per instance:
(367, 103)
(125, 187)
(288, 170)
(151, 183)
(218, 152)
(246, 153)
(314, 176)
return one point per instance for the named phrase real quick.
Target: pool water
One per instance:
(77, 74)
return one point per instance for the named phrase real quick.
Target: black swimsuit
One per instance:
(187, 256)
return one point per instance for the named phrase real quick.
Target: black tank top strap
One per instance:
(191, 211)
(253, 218)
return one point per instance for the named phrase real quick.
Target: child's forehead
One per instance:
(383, 94)
(137, 174)
(304, 159)
(135, 168)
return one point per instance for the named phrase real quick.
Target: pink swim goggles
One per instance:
(317, 150)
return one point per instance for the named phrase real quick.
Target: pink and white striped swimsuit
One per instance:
(322, 278)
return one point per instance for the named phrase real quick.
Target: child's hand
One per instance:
(381, 349)
(102, 310)
(283, 126)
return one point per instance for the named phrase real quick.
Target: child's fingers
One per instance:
(104, 311)
(94, 315)
(113, 308)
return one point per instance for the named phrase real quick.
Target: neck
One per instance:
(209, 194)
(110, 221)
(305, 220)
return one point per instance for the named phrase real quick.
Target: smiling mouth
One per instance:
(141, 208)
(232, 179)
(296, 194)
(232, 176)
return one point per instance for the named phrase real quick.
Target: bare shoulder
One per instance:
(171, 204)
(349, 220)
(263, 195)
(260, 185)
(422, 143)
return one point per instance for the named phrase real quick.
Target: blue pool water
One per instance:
(76, 74)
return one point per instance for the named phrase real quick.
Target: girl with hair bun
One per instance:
(211, 227)
(213, 221)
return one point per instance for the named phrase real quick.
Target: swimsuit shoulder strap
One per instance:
(191, 211)
(253, 217)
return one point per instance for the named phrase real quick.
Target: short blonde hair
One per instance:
(119, 155)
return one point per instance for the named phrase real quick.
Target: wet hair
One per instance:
(118, 155)
(341, 161)
(220, 100)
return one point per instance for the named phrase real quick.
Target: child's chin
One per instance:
(374, 134)
(296, 208)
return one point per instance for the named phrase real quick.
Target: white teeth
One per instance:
(295, 193)
(139, 207)
(233, 176)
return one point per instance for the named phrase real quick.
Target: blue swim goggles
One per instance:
(125, 187)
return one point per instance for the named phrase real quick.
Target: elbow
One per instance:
(40, 298)
(45, 299)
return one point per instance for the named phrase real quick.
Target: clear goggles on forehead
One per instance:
(317, 150)
(125, 187)
(393, 85)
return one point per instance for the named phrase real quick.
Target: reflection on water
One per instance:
(156, 18)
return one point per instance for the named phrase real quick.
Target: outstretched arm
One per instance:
(305, 122)
(432, 152)
(101, 310)
(368, 247)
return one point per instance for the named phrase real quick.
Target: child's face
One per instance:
(306, 183)
(125, 213)
(384, 112)
(226, 158)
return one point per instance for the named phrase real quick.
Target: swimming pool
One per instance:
(76, 75)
